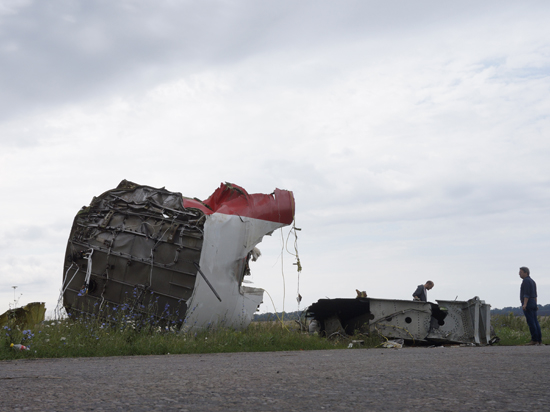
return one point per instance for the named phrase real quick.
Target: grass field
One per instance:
(513, 330)
(94, 337)
(68, 338)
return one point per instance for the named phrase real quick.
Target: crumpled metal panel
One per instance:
(24, 317)
(466, 322)
(230, 199)
(133, 245)
(446, 322)
(351, 314)
(173, 258)
(400, 319)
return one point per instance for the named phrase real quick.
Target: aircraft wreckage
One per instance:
(157, 253)
(462, 322)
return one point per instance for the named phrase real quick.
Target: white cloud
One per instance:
(415, 137)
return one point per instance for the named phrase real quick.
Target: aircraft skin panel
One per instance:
(179, 260)
(228, 242)
(457, 322)
(230, 199)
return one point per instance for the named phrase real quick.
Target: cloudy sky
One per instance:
(414, 135)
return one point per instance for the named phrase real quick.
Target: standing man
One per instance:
(421, 292)
(528, 298)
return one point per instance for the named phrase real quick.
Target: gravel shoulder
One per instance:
(409, 379)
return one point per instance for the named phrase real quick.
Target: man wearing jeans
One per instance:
(528, 298)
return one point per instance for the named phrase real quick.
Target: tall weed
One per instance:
(513, 330)
(118, 331)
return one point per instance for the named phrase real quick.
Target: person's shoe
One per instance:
(532, 343)
(540, 344)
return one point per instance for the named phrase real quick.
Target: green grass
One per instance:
(513, 330)
(91, 337)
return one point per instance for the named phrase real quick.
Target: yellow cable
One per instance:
(275, 309)
(396, 327)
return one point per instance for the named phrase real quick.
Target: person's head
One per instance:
(429, 284)
(523, 272)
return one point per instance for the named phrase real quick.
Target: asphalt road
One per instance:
(409, 379)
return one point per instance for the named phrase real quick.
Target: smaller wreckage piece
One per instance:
(463, 322)
(175, 260)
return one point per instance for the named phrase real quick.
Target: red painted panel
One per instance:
(231, 199)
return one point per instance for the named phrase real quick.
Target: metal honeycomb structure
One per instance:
(136, 246)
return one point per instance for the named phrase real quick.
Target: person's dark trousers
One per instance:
(531, 317)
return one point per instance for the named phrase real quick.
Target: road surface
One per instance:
(410, 379)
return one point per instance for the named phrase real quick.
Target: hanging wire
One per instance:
(88, 271)
(298, 264)
(64, 287)
(275, 309)
(283, 274)
(284, 247)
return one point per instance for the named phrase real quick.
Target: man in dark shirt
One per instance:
(528, 298)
